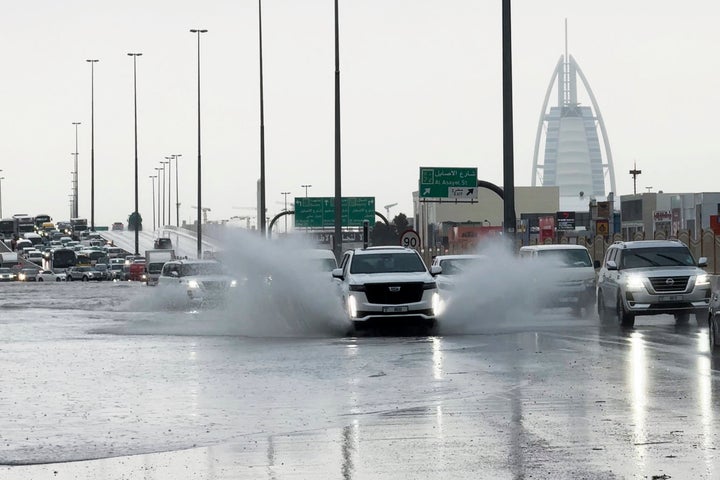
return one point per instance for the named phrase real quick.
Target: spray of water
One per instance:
(505, 293)
(281, 292)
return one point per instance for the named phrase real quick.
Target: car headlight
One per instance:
(436, 306)
(352, 306)
(21, 277)
(635, 282)
(233, 283)
(702, 279)
(193, 284)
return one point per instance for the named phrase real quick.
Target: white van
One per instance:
(572, 275)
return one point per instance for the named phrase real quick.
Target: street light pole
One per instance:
(153, 177)
(306, 189)
(1, 179)
(136, 213)
(199, 174)
(163, 191)
(92, 143)
(262, 128)
(157, 174)
(337, 244)
(169, 205)
(177, 195)
(75, 187)
(286, 215)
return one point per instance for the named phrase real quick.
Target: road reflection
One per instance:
(638, 380)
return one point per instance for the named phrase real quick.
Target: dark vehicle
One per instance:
(25, 224)
(163, 243)
(118, 226)
(104, 270)
(84, 274)
(714, 316)
(61, 259)
(8, 227)
(28, 274)
(77, 225)
(42, 219)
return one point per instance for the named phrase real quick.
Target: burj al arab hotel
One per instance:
(573, 159)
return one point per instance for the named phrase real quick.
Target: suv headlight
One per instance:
(702, 279)
(634, 282)
(193, 284)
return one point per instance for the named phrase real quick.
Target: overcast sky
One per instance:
(421, 84)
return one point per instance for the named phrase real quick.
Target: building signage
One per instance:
(565, 220)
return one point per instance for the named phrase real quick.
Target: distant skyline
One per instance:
(421, 85)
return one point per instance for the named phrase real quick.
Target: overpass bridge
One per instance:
(184, 241)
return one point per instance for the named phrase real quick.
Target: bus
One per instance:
(41, 219)
(60, 259)
(77, 225)
(8, 227)
(25, 224)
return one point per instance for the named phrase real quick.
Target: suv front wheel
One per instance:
(625, 318)
(603, 312)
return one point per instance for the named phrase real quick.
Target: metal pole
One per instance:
(306, 189)
(337, 242)
(157, 170)
(136, 212)
(92, 143)
(153, 177)
(262, 128)
(1, 179)
(164, 189)
(285, 194)
(199, 173)
(169, 205)
(75, 188)
(508, 157)
(177, 195)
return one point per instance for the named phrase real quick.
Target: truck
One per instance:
(8, 259)
(154, 261)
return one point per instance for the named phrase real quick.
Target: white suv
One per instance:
(387, 284)
(199, 281)
(650, 277)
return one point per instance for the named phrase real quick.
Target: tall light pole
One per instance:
(1, 179)
(337, 247)
(177, 194)
(92, 143)
(157, 174)
(136, 213)
(262, 128)
(163, 192)
(286, 215)
(169, 186)
(153, 177)
(199, 165)
(75, 188)
(306, 188)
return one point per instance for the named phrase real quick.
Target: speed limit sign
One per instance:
(410, 239)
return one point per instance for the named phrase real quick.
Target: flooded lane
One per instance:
(93, 376)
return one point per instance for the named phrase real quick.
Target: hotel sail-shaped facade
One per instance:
(573, 159)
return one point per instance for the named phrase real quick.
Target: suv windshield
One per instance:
(201, 269)
(387, 263)
(657, 257)
(568, 257)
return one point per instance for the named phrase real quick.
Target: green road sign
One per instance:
(316, 212)
(457, 183)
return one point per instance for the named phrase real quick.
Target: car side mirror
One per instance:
(596, 264)
(702, 262)
(611, 265)
(337, 273)
(435, 270)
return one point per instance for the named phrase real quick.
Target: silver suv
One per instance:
(388, 284)
(650, 277)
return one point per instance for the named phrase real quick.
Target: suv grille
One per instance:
(669, 284)
(214, 284)
(406, 293)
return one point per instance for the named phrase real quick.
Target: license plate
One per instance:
(395, 309)
(670, 298)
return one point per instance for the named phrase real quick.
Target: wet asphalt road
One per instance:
(95, 384)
